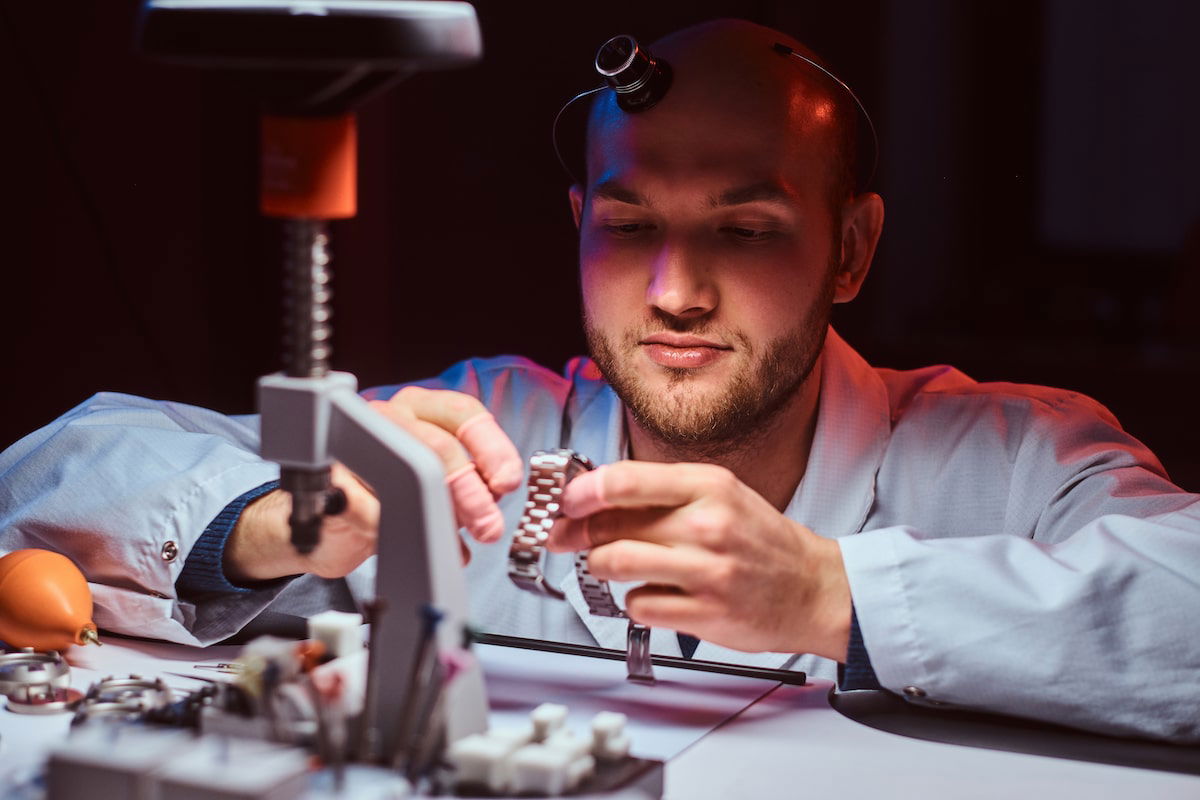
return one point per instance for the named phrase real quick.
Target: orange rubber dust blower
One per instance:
(45, 602)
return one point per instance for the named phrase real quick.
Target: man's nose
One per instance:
(680, 282)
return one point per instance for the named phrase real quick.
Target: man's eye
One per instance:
(627, 229)
(748, 234)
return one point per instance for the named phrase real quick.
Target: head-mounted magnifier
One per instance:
(639, 79)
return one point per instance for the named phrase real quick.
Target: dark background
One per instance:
(1039, 168)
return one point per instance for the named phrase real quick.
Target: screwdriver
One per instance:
(45, 602)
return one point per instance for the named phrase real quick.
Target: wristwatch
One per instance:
(549, 473)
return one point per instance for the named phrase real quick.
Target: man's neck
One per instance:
(772, 462)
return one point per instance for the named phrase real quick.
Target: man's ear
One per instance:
(862, 222)
(575, 195)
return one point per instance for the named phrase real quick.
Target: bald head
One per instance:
(730, 82)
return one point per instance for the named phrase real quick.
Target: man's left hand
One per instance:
(719, 561)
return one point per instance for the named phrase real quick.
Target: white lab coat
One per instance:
(1008, 547)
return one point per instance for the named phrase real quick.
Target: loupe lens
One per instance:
(615, 55)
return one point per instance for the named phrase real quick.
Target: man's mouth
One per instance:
(683, 340)
(679, 351)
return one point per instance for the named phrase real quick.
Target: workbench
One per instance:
(721, 736)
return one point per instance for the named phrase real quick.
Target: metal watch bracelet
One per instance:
(549, 473)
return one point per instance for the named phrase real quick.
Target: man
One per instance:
(996, 546)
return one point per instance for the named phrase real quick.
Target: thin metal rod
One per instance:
(792, 677)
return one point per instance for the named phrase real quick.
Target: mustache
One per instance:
(662, 321)
(658, 321)
(703, 326)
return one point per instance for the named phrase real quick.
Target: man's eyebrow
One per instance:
(755, 192)
(611, 190)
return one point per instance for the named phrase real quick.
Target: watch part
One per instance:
(549, 473)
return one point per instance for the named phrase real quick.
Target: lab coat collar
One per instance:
(833, 499)
(854, 424)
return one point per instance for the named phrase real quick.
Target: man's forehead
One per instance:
(708, 154)
(742, 106)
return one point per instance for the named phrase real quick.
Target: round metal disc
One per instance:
(41, 700)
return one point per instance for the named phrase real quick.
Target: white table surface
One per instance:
(722, 737)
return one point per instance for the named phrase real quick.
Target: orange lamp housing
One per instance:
(309, 167)
(45, 602)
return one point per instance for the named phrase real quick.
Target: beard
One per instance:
(698, 424)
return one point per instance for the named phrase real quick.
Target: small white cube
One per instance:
(537, 769)
(546, 719)
(483, 758)
(580, 768)
(566, 740)
(549, 769)
(609, 740)
(339, 631)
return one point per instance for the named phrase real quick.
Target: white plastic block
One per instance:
(520, 736)
(352, 672)
(546, 719)
(339, 631)
(613, 749)
(555, 766)
(538, 769)
(608, 723)
(575, 746)
(258, 653)
(580, 768)
(609, 740)
(483, 758)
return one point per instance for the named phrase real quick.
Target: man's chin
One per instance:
(713, 377)
(689, 395)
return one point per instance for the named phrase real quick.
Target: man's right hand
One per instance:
(481, 465)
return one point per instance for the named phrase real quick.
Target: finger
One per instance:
(645, 524)
(584, 495)
(474, 505)
(641, 484)
(469, 421)
(629, 560)
(568, 535)
(443, 407)
(362, 506)
(668, 607)
(495, 455)
(466, 552)
(442, 443)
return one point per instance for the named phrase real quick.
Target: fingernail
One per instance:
(584, 496)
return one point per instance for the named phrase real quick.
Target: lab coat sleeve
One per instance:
(124, 486)
(1081, 611)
